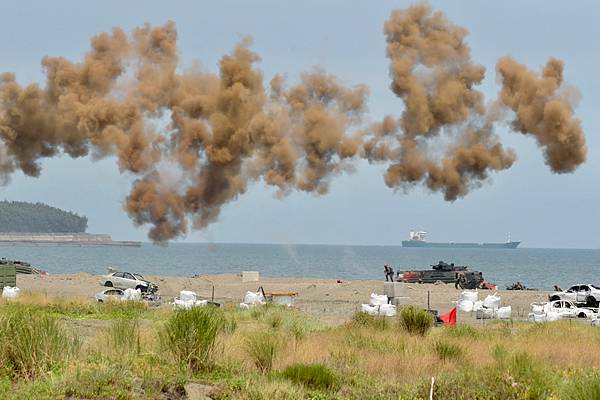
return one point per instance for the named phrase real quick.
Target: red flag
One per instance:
(450, 318)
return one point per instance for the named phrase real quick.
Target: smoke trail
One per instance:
(195, 140)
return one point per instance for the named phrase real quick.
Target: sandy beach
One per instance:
(326, 299)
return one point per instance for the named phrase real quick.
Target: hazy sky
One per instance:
(346, 38)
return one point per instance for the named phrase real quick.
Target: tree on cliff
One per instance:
(19, 216)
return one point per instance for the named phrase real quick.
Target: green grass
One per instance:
(33, 343)
(415, 320)
(316, 376)
(448, 350)
(263, 348)
(372, 321)
(190, 336)
(124, 336)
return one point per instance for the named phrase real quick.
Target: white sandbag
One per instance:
(254, 298)
(200, 303)
(552, 316)
(504, 312)
(188, 295)
(369, 309)
(595, 322)
(537, 308)
(470, 295)
(183, 304)
(492, 301)
(377, 300)
(244, 306)
(132, 294)
(537, 317)
(9, 292)
(484, 313)
(387, 310)
(478, 305)
(465, 305)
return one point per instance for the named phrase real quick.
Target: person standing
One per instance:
(391, 271)
(386, 271)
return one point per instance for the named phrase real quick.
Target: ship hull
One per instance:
(451, 245)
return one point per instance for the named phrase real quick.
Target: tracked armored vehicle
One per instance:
(461, 276)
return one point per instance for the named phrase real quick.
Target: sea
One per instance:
(535, 268)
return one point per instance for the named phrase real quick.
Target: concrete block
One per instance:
(393, 289)
(250, 276)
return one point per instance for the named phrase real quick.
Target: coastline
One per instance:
(326, 299)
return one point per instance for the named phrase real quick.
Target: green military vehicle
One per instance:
(460, 275)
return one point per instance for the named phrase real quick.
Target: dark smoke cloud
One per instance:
(195, 140)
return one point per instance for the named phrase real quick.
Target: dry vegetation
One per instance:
(128, 351)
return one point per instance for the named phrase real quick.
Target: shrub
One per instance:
(316, 376)
(415, 320)
(447, 350)
(191, 336)
(32, 343)
(263, 348)
(371, 321)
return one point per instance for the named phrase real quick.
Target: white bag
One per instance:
(387, 310)
(132, 294)
(188, 295)
(470, 295)
(484, 313)
(504, 312)
(465, 305)
(377, 300)
(252, 298)
(478, 305)
(244, 306)
(537, 317)
(183, 304)
(200, 303)
(552, 316)
(369, 309)
(537, 308)
(492, 301)
(9, 292)
(595, 322)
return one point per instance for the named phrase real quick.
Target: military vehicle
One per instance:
(460, 275)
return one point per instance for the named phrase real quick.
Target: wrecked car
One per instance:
(128, 280)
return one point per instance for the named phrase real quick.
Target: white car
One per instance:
(568, 309)
(110, 295)
(127, 280)
(580, 294)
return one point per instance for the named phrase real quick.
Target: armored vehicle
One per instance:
(460, 275)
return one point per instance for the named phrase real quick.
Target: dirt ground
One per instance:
(326, 299)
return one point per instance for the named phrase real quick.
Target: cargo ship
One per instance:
(416, 238)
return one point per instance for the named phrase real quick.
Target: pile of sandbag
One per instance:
(132, 294)
(252, 299)
(489, 308)
(9, 292)
(378, 305)
(187, 300)
(467, 300)
(542, 313)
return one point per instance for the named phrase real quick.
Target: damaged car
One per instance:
(128, 280)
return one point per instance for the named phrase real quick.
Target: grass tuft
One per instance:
(191, 336)
(32, 343)
(263, 348)
(447, 350)
(315, 376)
(415, 320)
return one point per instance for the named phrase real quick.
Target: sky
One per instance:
(345, 38)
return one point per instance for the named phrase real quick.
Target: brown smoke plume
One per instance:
(195, 140)
(541, 111)
(432, 72)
